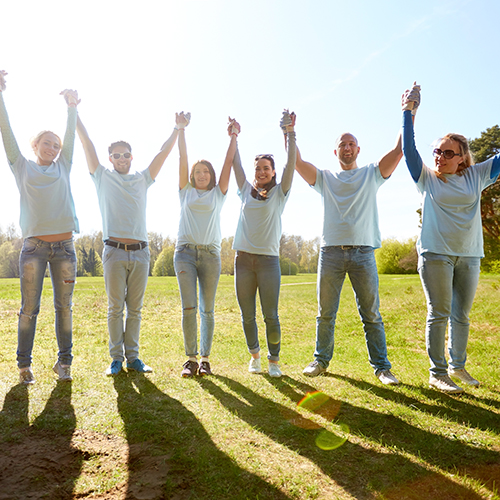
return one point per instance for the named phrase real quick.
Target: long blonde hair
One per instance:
(465, 152)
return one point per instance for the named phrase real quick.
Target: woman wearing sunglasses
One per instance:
(257, 243)
(450, 245)
(47, 221)
(197, 254)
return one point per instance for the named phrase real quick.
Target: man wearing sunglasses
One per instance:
(126, 259)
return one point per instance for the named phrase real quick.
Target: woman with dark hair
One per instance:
(257, 242)
(450, 244)
(197, 254)
(47, 222)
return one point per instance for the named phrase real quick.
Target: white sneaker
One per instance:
(274, 370)
(387, 378)
(445, 384)
(313, 369)
(26, 376)
(464, 376)
(254, 366)
(64, 372)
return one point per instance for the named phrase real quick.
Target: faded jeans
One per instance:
(61, 258)
(197, 263)
(125, 279)
(260, 272)
(450, 285)
(335, 262)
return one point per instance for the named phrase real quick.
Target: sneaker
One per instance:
(204, 369)
(274, 370)
(445, 384)
(64, 372)
(387, 378)
(139, 366)
(189, 368)
(313, 369)
(114, 369)
(254, 366)
(464, 376)
(26, 376)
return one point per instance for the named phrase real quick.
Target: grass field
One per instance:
(241, 436)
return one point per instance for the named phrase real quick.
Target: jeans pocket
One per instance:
(30, 246)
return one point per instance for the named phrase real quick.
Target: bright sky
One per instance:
(341, 66)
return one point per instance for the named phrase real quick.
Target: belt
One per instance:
(207, 248)
(348, 247)
(127, 246)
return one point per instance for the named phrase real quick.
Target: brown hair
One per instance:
(207, 164)
(465, 152)
(119, 143)
(262, 195)
(38, 136)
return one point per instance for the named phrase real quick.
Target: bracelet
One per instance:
(179, 128)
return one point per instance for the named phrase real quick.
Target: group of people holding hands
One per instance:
(449, 246)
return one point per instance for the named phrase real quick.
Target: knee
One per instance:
(189, 311)
(207, 315)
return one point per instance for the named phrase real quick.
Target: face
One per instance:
(264, 172)
(122, 164)
(347, 151)
(201, 176)
(444, 165)
(46, 149)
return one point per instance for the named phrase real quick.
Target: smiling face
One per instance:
(451, 165)
(47, 148)
(121, 164)
(201, 176)
(347, 151)
(264, 172)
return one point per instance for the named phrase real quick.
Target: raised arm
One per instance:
(410, 103)
(88, 146)
(71, 98)
(159, 159)
(288, 125)
(9, 141)
(306, 170)
(233, 130)
(239, 173)
(181, 122)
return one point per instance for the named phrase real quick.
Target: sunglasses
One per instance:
(117, 156)
(447, 153)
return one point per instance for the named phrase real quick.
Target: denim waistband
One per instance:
(40, 242)
(208, 248)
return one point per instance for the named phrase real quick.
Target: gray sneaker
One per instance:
(26, 376)
(387, 378)
(313, 369)
(464, 376)
(445, 384)
(63, 371)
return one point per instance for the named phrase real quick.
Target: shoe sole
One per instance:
(470, 384)
(453, 391)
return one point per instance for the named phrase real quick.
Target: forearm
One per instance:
(183, 160)
(495, 167)
(306, 170)
(286, 180)
(69, 136)
(159, 159)
(9, 141)
(226, 168)
(412, 157)
(239, 173)
(88, 146)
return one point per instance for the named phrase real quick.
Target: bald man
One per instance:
(350, 236)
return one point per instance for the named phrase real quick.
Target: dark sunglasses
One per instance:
(117, 156)
(447, 153)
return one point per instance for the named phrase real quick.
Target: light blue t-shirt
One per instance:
(47, 205)
(259, 226)
(122, 200)
(350, 215)
(451, 211)
(200, 216)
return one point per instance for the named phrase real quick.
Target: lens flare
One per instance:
(327, 440)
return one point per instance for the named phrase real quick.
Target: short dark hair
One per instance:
(119, 143)
(207, 164)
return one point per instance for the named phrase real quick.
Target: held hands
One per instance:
(287, 122)
(3, 74)
(182, 120)
(71, 97)
(410, 100)
(233, 127)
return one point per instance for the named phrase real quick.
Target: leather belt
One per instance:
(127, 246)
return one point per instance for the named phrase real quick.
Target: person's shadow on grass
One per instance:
(343, 464)
(38, 460)
(171, 455)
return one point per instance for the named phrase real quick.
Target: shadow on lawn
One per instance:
(38, 460)
(186, 462)
(343, 465)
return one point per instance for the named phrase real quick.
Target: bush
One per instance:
(288, 267)
(164, 265)
(396, 257)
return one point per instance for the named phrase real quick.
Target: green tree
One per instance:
(288, 267)
(89, 249)
(396, 257)
(9, 258)
(227, 256)
(164, 265)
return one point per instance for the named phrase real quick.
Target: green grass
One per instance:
(236, 435)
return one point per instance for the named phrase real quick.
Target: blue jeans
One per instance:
(197, 263)
(449, 284)
(35, 256)
(125, 279)
(261, 272)
(359, 263)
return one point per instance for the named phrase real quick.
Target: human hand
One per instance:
(182, 120)
(287, 122)
(410, 100)
(3, 74)
(71, 97)
(234, 127)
